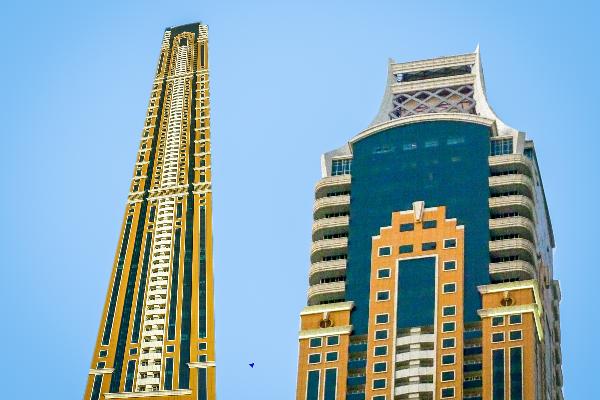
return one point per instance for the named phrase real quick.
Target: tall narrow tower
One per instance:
(156, 335)
(431, 273)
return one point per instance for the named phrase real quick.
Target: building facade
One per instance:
(431, 273)
(156, 335)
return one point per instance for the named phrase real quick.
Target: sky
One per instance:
(289, 81)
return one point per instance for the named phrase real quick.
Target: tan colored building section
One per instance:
(499, 303)
(321, 323)
(392, 237)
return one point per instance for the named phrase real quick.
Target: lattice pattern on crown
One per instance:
(457, 99)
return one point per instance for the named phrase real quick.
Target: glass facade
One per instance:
(330, 384)
(312, 387)
(516, 373)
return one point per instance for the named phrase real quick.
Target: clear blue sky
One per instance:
(289, 82)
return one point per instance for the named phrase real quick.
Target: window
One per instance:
(497, 337)
(168, 373)
(455, 140)
(333, 340)
(501, 146)
(448, 359)
(449, 311)
(516, 373)
(314, 358)
(382, 318)
(428, 246)
(341, 167)
(379, 384)
(497, 321)
(449, 287)
(447, 376)
(133, 351)
(448, 326)
(331, 356)
(447, 392)
(409, 146)
(383, 295)
(202, 346)
(498, 374)
(380, 351)
(103, 353)
(448, 343)
(407, 227)
(431, 224)
(100, 365)
(383, 273)
(407, 248)
(312, 385)
(202, 358)
(381, 334)
(515, 319)
(449, 265)
(380, 367)
(380, 397)
(315, 342)
(170, 348)
(515, 335)
(385, 251)
(449, 243)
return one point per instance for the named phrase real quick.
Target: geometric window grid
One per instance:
(456, 99)
(501, 146)
(341, 167)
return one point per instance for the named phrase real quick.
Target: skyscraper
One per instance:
(156, 335)
(431, 273)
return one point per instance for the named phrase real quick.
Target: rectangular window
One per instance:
(179, 210)
(202, 358)
(379, 397)
(497, 321)
(431, 224)
(449, 243)
(515, 335)
(129, 376)
(516, 373)
(447, 376)
(497, 337)
(501, 146)
(330, 384)
(449, 265)
(498, 374)
(448, 326)
(315, 342)
(448, 343)
(331, 356)
(449, 288)
(407, 248)
(333, 340)
(449, 311)
(170, 348)
(380, 351)
(100, 365)
(132, 351)
(382, 318)
(380, 367)
(312, 386)
(379, 383)
(202, 346)
(383, 295)
(407, 227)
(448, 359)
(515, 319)
(428, 246)
(103, 353)
(383, 273)
(314, 358)
(341, 167)
(381, 334)
(447, 392)
(385, 251)
(168, 373)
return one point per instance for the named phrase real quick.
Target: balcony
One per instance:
(325, 292)
(519, 203)
(511, 247)
(507, 270)
(329, 205)
(511, 162)
(326, 226)
(512, 183)
(330, 184)
(415, 387)
(327, 247)
(513, 225)
(326, 269)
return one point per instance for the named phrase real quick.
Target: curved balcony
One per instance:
(326, 269)
(328, 205)
(507, 270)
(511, 225)
(414, 387)
(514, 182)
(522, 204)
(326, 226)
(331, 184)
(327, 247)
(511, 162)
(511, 247)
(326, 292)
